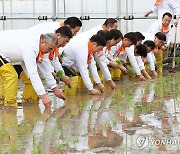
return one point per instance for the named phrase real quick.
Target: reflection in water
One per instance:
(9, 129)
(111, 122)
(83, 131)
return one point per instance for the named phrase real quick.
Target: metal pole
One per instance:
(132, 13)
(34, 10)
(106, 9)
(64, 8)
(126, 15)
(174, 53)
(117, 18)
(82, 10)
(11, 13)
(58, 8)
(54, 10)
(3, 13)
(119, 12)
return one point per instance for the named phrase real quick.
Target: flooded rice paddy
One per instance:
(137, 117)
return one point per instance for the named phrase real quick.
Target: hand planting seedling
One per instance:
(118, 61)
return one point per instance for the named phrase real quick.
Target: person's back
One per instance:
(109, 24)
(78, 45)
(13, 42)
(47, 27)
(94, 30)
(148, 36)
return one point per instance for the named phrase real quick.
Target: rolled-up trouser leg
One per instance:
(10, 84)
(29, 94)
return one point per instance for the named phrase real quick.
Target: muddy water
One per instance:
(137, 117)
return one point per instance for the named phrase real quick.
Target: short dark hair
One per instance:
(73, 22)
(161, 36)
(150, 44)
(106, 34)
(141, 50)
(99, 39)
(110, 22)
(167, 14)
(132, 37)
(65, 31)
(140, 36)
(116, 34)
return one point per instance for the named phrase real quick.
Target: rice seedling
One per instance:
(177, 60)
(1, 152)
(60, 74)
(36, 148)
(62, 55)
(13, 148)
(59, 147)
(21, 129)
(158, 64)
(4, 133)
(131, 72)
(146, 63)
(118, 61)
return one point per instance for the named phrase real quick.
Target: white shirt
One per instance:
(140, 62)
(150, 56)
(113, 52)
(151, 60)
(102, 61)
(43, 27)
(76, 55)
(156, 27)
(170, 6)
(148, 36)
(132, 59)
(128, 53)
(48, 27)
(22, 46)
(94, 30)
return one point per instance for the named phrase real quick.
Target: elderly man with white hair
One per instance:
(29, 49)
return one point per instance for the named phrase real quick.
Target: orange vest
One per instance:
(54, 53)
(164, 28)
(121, 49)
(100, 53)
(109, 47)
(90, 52)
(40, 56)
(155, 50)
(62, 24)
(158, 2)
